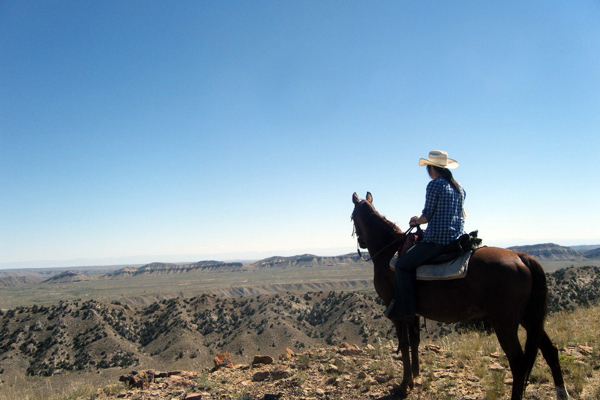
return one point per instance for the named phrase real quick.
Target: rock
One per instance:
(349, 349)
(351, 352)
(586, 349)
(281, 373)
(332, 368)
(289, 352)
(177, 381)
(260, 376)
(223, 360)
(496, 367)
(197, 396)
(346, 345)
(332, 380)
(434, 348)
(262, 360)
(140, 380)
(362, 375)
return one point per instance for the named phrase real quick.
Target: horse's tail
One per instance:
(535, 312)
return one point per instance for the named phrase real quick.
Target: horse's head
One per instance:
(363, 210)
(371, 228)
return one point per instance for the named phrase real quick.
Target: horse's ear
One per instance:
(369, 197)
(355, 198)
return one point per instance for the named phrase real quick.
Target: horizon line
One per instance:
(246, 256)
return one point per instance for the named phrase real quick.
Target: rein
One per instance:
(393, 241)
(380, 251)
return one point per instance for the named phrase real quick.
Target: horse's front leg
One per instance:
(407, 376)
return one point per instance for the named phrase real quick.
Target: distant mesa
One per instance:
(555, 252)
(67, 277)
(306, 260)
(158, 268)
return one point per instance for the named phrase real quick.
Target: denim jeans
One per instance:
(406, 271)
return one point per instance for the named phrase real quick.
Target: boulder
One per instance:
(262, 360)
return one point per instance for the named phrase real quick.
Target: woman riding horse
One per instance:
(444, 214)
(505, 287)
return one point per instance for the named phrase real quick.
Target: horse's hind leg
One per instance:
(414, 337)
(507, 334)
(550, 353)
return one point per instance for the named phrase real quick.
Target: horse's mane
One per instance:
(390, 223)
(395, 228)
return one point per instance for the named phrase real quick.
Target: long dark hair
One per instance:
(447, 175)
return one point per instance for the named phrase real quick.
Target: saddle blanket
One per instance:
(454, 269)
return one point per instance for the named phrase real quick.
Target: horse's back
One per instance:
(497, 282)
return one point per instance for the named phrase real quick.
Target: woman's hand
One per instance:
(416, 221)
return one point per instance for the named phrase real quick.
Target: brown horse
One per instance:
(507, 288)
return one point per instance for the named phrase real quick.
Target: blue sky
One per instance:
(178, 131)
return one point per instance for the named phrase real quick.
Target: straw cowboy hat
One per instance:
(439, 158)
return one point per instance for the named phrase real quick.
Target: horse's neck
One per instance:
(385, 244)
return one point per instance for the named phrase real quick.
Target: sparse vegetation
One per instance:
(86, 336)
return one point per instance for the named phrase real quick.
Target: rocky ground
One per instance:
(349, 372)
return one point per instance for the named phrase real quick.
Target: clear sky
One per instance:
(144, 131)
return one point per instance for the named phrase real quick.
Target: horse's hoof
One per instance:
(561, 393)
(398, 393)
(401, 391)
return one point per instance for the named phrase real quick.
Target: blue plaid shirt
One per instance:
(443, 209)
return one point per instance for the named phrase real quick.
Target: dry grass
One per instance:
(568, 330)
(36, 388)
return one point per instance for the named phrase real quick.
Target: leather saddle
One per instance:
(468, 241)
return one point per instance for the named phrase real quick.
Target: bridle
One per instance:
(371, 257)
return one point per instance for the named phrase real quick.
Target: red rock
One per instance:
(223, 360)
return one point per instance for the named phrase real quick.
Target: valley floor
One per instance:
(458, 366)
